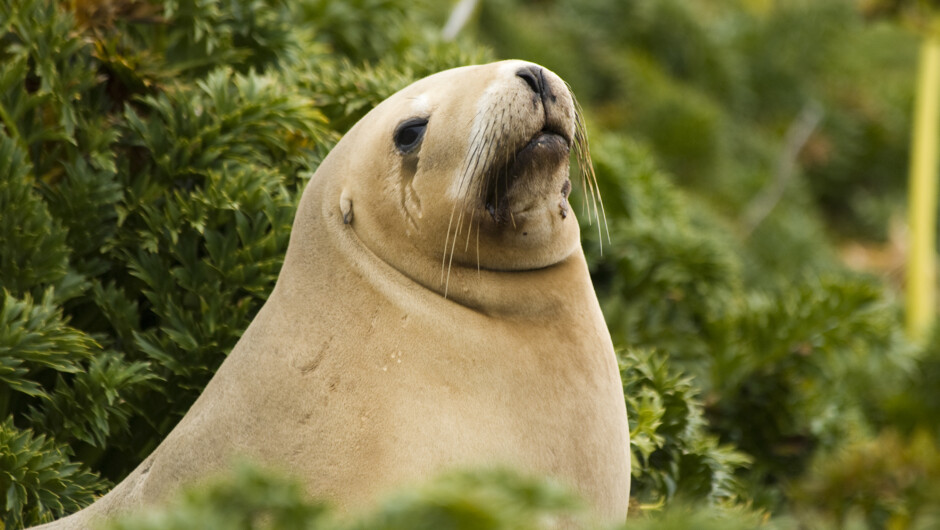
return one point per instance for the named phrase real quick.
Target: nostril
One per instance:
(532, 77)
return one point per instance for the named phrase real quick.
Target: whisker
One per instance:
(478, 248)
(469, 231)
(446, 239)
(588, 176)
(453, 246)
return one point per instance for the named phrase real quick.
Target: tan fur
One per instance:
(358, 375)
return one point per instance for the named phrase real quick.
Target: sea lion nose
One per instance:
(532, 75)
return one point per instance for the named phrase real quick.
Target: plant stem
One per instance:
(922, 194)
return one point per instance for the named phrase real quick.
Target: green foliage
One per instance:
(40, 44)
(483, 500)
(797, 369)
(787, 368)
(36, 252)
(248, 498)
(251, 498)
(92, 406)
(721, 517)
(887, 482)
(367, 29)
(673, 453)
(476, 500)
(39, 481)
(34, 340)
(347, 92)
(202, 33)
(663, 277)
(87, 404)
(142, 44)
(916, 9)
(914, 403)
(712, 87)
(789, 365)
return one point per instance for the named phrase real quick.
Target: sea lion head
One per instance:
(464, 169)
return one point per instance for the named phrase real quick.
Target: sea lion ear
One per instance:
(345, 207)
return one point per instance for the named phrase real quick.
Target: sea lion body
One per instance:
(424, 318)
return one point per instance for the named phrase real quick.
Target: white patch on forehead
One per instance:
(421, 104)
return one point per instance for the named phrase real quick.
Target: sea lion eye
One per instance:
(409, 134)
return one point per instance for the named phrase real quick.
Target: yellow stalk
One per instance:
(922, 194)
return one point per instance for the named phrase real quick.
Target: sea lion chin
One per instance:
(434, 311)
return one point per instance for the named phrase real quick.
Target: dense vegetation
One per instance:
(152, 154)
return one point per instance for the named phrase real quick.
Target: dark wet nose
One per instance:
(532, 75)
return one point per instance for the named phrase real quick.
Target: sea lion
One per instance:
(434, 311)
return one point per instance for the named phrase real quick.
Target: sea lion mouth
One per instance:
(539, 157)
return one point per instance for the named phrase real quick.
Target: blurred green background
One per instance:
(753, 160)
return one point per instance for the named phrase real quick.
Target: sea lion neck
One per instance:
(420, 282)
